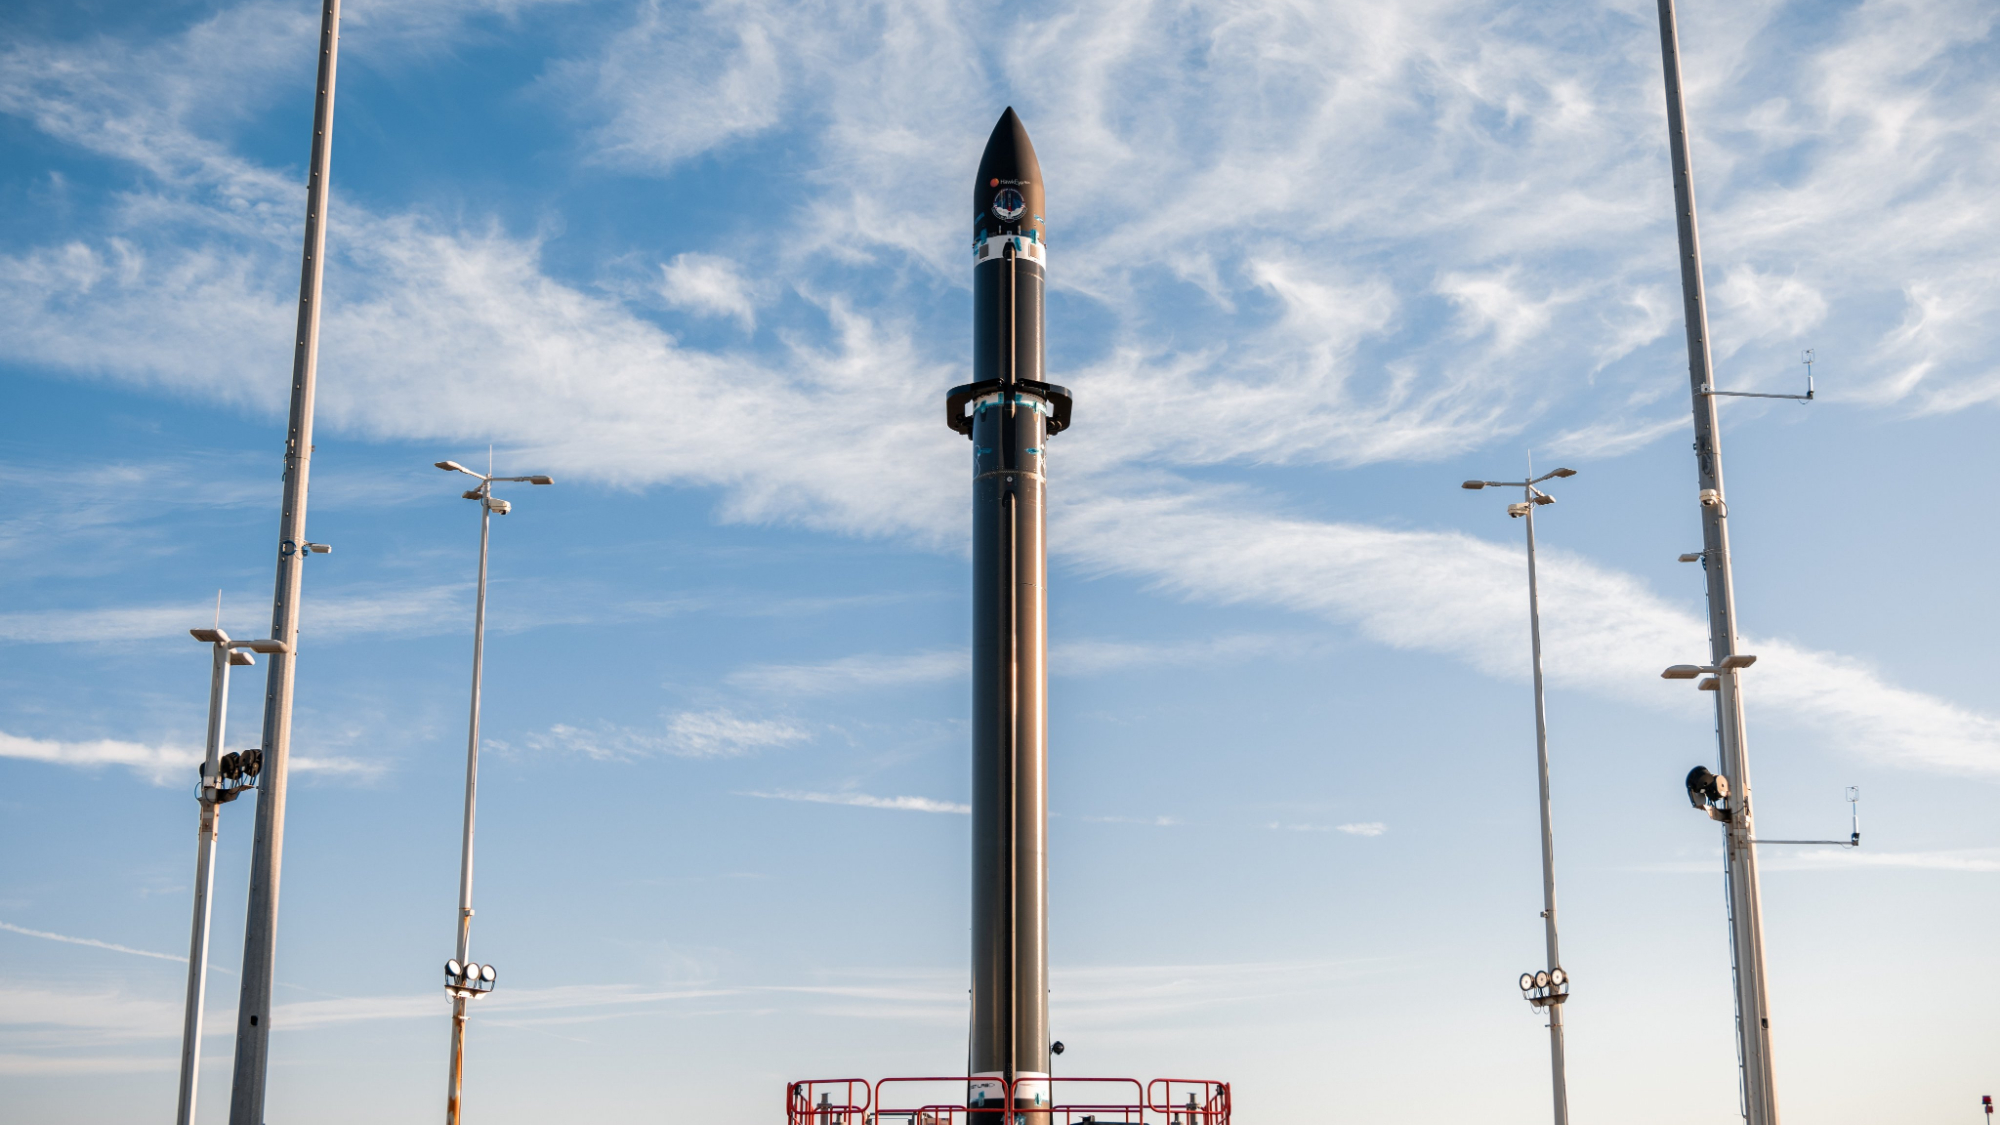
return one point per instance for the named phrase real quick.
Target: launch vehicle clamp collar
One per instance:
(954, 402)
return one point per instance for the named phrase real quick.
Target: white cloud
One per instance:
(92, 942)
(1369, 828)
(1460, 596)
(863, 800)
(864, 671)
(332, 613)
(679, 82)
(854, 673)
(1376, 163)
(162, 765)
(709, 285)
(685, 734)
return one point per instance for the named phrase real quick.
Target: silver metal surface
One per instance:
(1549, 1001)
(260, 931)
(488, 507)
(1555, 1011)
(1746, 929)
(204, 879)
(456, 1086)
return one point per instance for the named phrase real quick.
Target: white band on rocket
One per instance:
(1025, 246)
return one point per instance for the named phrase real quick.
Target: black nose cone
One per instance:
(1007, 199)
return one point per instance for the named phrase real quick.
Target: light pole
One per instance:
(223, 779)
(1758, 1087)
(461, 983)
(1546, 988)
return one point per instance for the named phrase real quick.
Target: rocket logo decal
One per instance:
(1009, 205)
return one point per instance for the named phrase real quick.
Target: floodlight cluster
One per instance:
(1543, 987)
(467, 980)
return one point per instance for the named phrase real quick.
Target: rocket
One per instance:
(1010, 413)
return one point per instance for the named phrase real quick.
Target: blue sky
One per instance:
(1311, 266)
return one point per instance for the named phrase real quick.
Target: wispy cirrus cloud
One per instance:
(1425, 168)
(162, 765)
(684, 734)
(864, 800)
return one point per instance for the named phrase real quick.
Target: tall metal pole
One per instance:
(1555, 1009)
(260, 932)
(204, 882)
(459, 1000)
(1746, 930)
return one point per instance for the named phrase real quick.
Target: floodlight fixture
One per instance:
(1527, 982)
(1693, 556)
(319, 548)
(486, 973)
(1558, 978)
(452, 968)
(1542, 979)
(1682, 672)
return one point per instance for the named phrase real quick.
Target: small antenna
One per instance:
(1809, 382)
(218, 609)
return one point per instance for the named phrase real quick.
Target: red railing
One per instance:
(942, 1100)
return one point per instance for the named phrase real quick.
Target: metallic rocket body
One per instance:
(1009, 412)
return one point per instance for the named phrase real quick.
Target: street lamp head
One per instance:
(241, 659)
(1681, 672)
(1475, 485)
(1563, 473)
(1709, 683)
(1738, 660)
(209, 636)
(541, 480)
(1692, 556)
(1544, 498)
(455, 467)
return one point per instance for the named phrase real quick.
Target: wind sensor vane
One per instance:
(1709, 389)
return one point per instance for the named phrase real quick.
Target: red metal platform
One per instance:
(1071, 1101)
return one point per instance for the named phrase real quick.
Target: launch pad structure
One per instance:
(1009, 412)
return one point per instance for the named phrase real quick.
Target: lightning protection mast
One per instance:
(1746, 922)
